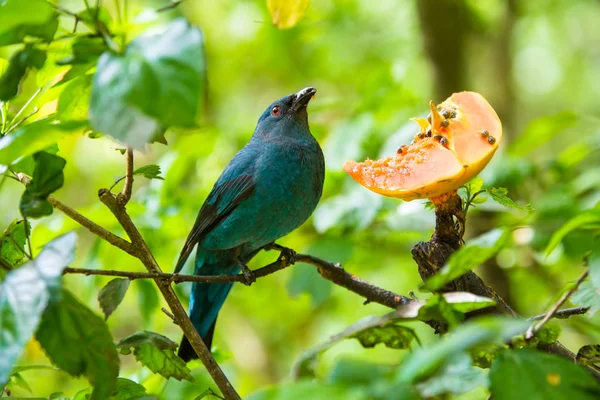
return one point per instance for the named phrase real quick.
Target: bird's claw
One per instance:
(249, 277)
(287, 254)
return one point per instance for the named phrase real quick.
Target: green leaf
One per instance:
(92, 15)
(74, 100)
(469, 257)
(500, 195)
(157, 353)
(306, 279)
(48, 177)
(78, 341)
(12, 243)
(540, 131)
(486, 330)
(149, 171)
(587, 296)
(34, 137)
(391, 335)
(24, 295)
(127, 389)
(84, 50)
(157, 82)
(588, 219)
(20, 62)
(44, 31)
(535, 375)
(111, 295)
(451, 307)
(18, 380)
(19, 18)
(457, 376)
(285, 14)
(145, 337)
(588, 354)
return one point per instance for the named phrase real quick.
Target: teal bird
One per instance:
(267, 190)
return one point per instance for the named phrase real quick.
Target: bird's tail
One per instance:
(206, 300)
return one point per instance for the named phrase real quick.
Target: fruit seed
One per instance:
(491, 140)
(484, 133)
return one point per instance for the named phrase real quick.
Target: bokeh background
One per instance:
(375, 64)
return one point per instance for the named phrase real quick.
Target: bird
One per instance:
(267, 190)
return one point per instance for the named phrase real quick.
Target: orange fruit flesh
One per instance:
(449, 150)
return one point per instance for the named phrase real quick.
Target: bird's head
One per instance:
(286, 116)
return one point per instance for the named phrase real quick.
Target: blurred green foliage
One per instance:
(375, 65)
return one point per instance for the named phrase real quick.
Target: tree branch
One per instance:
(332, 272)
(535, 328)
(562, 314)
(125, 195)
(143, 253)
(90, 225)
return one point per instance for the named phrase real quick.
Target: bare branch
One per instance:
(125, 195)
(329, 271)
(563, 314)
(143, 253)
(533, 329)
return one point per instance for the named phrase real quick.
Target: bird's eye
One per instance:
(275, 111)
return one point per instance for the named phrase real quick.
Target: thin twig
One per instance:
(125, 195)
(534, 328)
(562, 314)
(168, 314)
(91, 226)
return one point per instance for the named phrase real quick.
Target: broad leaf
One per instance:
(487, 330)
(156, 352)
(20, 62)
(20, 18)
(24, 295)
(157, 82)
(500, 195)
(469, 257)
(391, 335)
(78, 341)
(127, 389)
(145, 337)
(12, 243)
(588, 354)
(48, 177)
(149, 171)
(74, 101)
(111, 295)
(34, 137)
(457, 376)
(286, 13)
(588, 219)
(540, 376)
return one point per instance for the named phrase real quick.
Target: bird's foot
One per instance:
(249, 277)
(288, 255)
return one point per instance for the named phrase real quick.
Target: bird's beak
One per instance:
(303, 97)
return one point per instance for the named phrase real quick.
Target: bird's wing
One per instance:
(226, 195)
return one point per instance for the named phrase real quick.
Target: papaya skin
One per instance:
(453, 145)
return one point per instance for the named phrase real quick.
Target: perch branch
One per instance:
(332, 272)
(143, 253)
